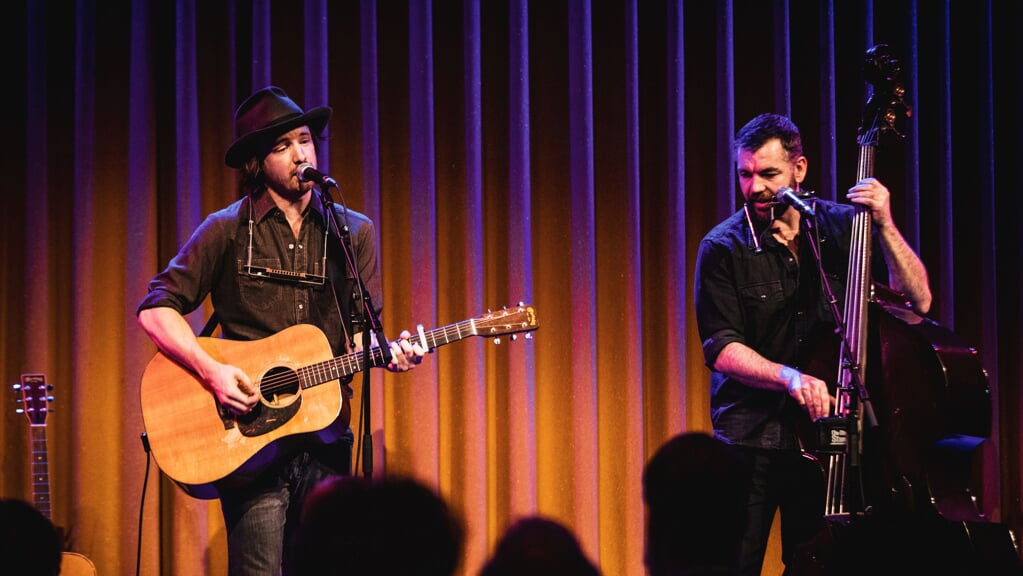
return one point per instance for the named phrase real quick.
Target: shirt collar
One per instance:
(263, 205)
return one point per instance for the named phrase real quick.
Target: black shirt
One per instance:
(774, 304)
(213, 262)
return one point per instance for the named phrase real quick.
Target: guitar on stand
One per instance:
(35, 396)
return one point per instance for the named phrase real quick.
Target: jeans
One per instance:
(261, 517)
(782, 481)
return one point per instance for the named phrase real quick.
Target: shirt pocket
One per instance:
(762, 294)
(260, 294)
(763, 304)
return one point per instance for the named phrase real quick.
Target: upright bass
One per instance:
(912, 408)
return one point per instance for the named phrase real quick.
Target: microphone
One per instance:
(306, 173)
(786, 195)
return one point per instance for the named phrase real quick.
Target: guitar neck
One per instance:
(40, 470)
(354, 362)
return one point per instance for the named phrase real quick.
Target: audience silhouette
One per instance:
(694, 488)
(393, 525)
(29, 542)
(538, 546)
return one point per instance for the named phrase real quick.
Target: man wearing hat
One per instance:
(269, 261)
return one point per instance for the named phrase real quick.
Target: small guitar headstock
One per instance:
(34, 398)
(520, 318)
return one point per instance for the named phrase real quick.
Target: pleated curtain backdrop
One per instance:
(566, 154)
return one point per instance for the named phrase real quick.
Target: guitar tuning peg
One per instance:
(19, 410)
(497, 341)
(529, 335)
(521, 303)
(514, 337)
(16, 387)
(49, 398)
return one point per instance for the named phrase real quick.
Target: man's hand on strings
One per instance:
(811, 392)
(232, 387)
(870, 193)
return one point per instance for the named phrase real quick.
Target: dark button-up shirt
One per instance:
(213, 263)
(775, 304)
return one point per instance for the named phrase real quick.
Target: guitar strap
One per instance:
(211, 324)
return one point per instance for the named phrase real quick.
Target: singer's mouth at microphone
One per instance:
(763, 201)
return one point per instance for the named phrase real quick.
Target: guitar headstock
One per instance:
(34, 398)
(520, 318)
(886, 108)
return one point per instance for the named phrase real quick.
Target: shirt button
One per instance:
(301, 247)
(301, 306)
(763, 297)
(291, 246)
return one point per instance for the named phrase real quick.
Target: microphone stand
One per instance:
(344, 235)
(866, 409)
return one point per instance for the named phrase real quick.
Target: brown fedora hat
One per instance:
(263, 117)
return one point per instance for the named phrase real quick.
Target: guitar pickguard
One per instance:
(278, 403)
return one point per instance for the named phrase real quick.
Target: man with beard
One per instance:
(761, 308)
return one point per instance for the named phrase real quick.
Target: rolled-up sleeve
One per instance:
(718, 311)
(187, 279)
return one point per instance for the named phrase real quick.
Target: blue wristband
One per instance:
(792, 376)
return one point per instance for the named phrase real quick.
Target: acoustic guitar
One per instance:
(34, 403)
(204, 448)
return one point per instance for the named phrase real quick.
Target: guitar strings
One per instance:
(352, 362)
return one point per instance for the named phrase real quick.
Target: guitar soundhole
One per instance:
(280, 402)
(279, 387)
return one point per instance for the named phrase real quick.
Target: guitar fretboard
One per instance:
(348, 364)
(40, 470)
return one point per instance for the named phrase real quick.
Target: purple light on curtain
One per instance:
(726, 109)
(582, 261)
(36, 142)
(677, 303)
(422, 156)
(782, 59)
(911, 203)
(187, 127)
(370, 111)
(141, 162)
(946, 281)
(473, 145)
(826, 126)
(520, 257)
(317, 69)
(261, 34)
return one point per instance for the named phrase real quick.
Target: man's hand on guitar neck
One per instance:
(404, 354)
